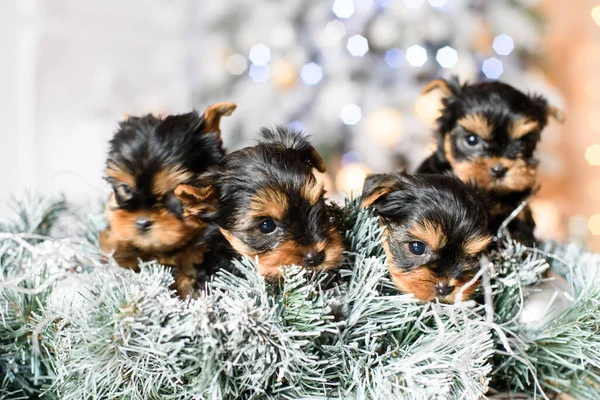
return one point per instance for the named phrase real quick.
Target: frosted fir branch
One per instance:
(539, 364)
(125, 339)
(306, 306)
(27, 276)
(106, 331)
(394, 346)
(34, 213)
(299, 367)
(364, 237)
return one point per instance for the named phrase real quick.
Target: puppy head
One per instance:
(435, 231)
(270, 205)
(148, 158)
(489, 132)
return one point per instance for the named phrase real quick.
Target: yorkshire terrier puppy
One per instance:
(148, 158)
(435, 231)
(270, 206)
(487, 134)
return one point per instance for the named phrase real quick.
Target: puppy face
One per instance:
(489, 132)
(435, 232)
(148, 158)
(271, 207)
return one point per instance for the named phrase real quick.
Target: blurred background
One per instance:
(347, 71)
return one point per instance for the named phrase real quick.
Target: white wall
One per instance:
(69, 71)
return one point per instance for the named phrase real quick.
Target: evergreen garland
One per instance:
(73, 325)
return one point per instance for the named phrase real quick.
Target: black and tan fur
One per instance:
(271, 208)
(148, 158)
(438, 215)
(487, 134)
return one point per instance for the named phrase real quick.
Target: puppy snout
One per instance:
(143, 224)
(498, 170)
(314, 258)
(444, 289)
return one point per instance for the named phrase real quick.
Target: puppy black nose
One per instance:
(143, 224)
(314, 258)
(498, 170)
(443, 289)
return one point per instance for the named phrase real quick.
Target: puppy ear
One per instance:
(378, 185)
(448, 88)
(314, 159)
(555, 113)
(213, 114)
(199, 197)
(295, 141)
(547, 109)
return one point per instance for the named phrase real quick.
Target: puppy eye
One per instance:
(173, 204)
(123, 192)
(472, 140)
(267, 226)
(417, 248)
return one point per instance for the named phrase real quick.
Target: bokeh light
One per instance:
(592, 154)
(592, 87)
(343, 8)
(547, 217)
(594, 224)
(350, 114)
(364, 5)
(384, 126)
(394, 58)
(297, 126)
(416, 55)
(331, 34)
(351, 177)
(413, 3)
(428, 107)
(594, 120)
(503, 44)
(259, 73)
(358, 45)
(596, 15)
(447, 57)
(311, 73)
(284, 73)
(437, 3)
(260, 54)
(492, 68)
(236, 64)
(350, 157)
(594, 189)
